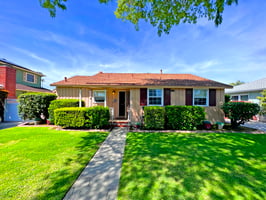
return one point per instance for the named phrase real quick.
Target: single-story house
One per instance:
(127, 93)
(247, 91)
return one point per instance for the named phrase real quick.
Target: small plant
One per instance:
(263, 103)
(240, 112)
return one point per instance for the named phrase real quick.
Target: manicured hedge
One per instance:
(93, 117)
(154, 117)
(35, 105)
(173, 117)
(62, 103)
(240, 112)
(184, 117)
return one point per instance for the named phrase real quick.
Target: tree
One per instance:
(240, 112)
(35, 105)
(237, 83)
(162, 14)
(263, 103)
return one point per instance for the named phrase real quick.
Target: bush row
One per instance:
(93, 117)
(62, 103)
(173, 117)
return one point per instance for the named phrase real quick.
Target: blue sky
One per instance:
(87, 38)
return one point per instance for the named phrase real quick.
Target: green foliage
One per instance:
(93, 117)
(226, 98)
(184, 117)
(61, 103)
(161, 14)
(154, 117)
(237, 83)
(240, 112)
(33, 105)
(263, 103)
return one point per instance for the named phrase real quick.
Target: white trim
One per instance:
(148, 97)
(239, 97)
(207, 97)
(25, 75)
(104, 96)
(80, 97)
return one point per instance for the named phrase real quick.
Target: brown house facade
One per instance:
(127, 93)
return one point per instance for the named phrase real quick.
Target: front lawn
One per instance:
(40, 163)
(193, 166)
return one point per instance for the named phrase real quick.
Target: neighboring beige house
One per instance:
(127, 93)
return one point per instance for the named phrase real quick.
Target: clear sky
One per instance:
(87, 38)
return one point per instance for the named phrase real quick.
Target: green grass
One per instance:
(40, 163)
(194, 166)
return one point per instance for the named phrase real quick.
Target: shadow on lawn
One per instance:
(194, 166)
(62, 179)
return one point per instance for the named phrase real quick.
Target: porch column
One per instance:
(80, 97)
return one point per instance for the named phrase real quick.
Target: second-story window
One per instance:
(29, 78)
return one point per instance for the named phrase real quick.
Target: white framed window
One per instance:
(99, 96)
(31, 78)
(200, 97)
(234, 98)
(244, 97)
(155, 97)
(241, 97)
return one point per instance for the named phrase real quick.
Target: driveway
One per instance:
(4, 125)
(257, 125)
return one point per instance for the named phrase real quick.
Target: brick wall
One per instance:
(8, 80)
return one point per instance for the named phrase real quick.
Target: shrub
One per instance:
(34, 105)
(154, 117)
(240, 112)
(61, 103)
(73, 117)
(184, 117)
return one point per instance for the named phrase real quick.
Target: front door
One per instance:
(122, 104)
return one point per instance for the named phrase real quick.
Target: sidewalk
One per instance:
(100, 179)
(257, 125)
(4, 125)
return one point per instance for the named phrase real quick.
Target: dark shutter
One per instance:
(143, 96)
(167, 96)
(189, 97)
(212, 97)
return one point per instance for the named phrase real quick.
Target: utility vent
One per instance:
(1, 86)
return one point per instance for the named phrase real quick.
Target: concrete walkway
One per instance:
(257, 125)
(100, 179)
(4, 125)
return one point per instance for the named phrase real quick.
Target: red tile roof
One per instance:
(31, 89)
(139, 79)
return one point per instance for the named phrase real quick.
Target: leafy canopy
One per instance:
(162, 14)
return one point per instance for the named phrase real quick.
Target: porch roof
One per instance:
(140, 79)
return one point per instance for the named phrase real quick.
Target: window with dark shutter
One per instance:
(212, 97)
(167, 96)
(189, 97)
(143, 96)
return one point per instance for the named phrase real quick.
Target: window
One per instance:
(234, 98)
(29, 77)
(155, 97)
(244, 97)
(200, 97)
(99, 96)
